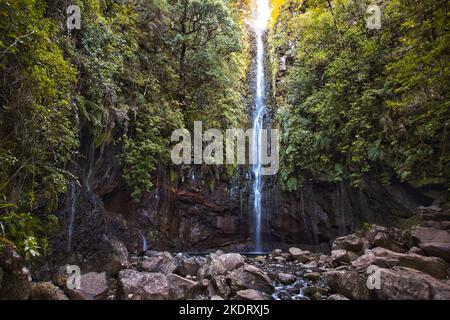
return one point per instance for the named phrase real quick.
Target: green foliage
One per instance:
(38, 135)
(356, 101)
(191, 68)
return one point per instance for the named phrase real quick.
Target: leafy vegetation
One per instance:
(352, 101)
(133, 73)
(356, 101)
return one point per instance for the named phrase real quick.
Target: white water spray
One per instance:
(260, 25)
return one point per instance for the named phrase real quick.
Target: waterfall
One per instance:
(71, 210)
(144, 243)
(260, 24)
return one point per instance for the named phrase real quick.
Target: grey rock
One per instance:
(251, 294)
(93, 286)
(135, 285)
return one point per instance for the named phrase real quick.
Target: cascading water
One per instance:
(260, 24)
(144, 243)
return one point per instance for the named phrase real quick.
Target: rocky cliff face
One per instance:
(193, 217)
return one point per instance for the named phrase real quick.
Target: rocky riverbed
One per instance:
(378, 263)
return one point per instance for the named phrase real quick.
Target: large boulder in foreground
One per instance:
(400, 283)
(135, 285)
(219, 265)
(181, 288)
(351, 284)
(249, 277)
(93, 286)
(14, 277)
(251, 294)
(384, 258)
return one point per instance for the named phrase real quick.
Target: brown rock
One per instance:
(134, 285)
(400, 283)
(337, 296)
(437, 249)
(389, 238)
(416, 250)
(118, 257)
(260, 259)
(181, 288)
(349, 243)
(46, 291)
(251, 294)
(434, 242)
(384, 258)
(249, 277)
(312, 290)
(423, 235)
(313, 276)
(220, 286)
(340, 257)
(286, 278)
(14, 280)
(190, 266)
(163, 262)
(348, 283)
(219, 265)
(276, 252)
(93, 286)
(299, 255)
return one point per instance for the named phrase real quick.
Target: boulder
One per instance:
(286, 278)
(277, 252)
(350, 243)
(299, 255)
(163, 262)
(135, 285)
(340, 257)
(313, 276)
(437, 249)
(260, 259)
(351, 284)
(231, 260)
(389, 238)
(251, 294)
(312, 290)
(46, 291)
(190, 266)
(384, 258)
(219, 265)
(93, 286)
(181, 288)
(434, 213)
(416, 250)
(400, 283)
(15, 278)
(337, 296)
(435, 242)
(220, 286)
(423, 235)
(249, 277)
